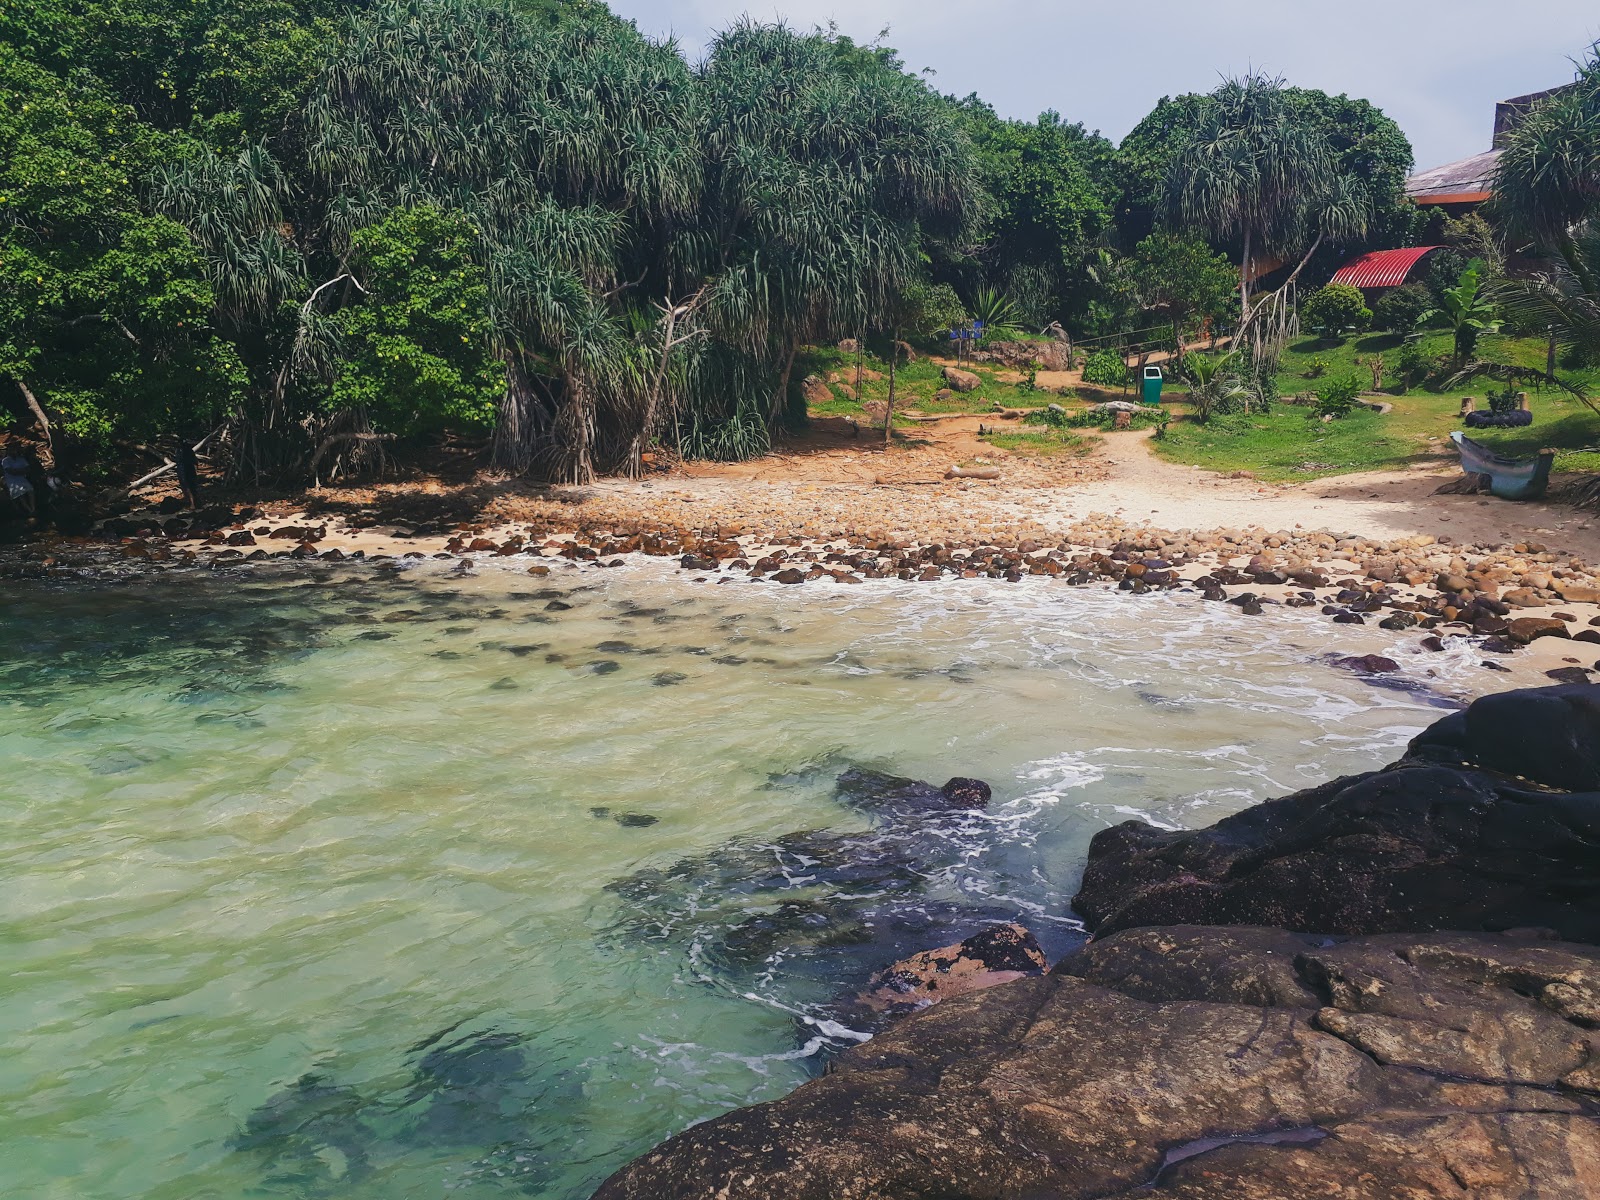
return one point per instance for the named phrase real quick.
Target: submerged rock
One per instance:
(1473, 829)
(1201, 1063)
(821, 906)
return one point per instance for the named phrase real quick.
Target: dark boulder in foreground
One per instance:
(1490, 822)
(1199, 1063)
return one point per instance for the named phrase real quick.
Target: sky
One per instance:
(1435, 66)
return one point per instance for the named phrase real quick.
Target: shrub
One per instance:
(1334, 308)
(1400, 310)
(1317, 368)
(1105, 368)
(1337, 397)
(1411, 365)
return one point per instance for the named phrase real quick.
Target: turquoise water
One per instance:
(319, 883)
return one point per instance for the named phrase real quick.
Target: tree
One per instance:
(825, 172)
(105, 319)
(416, 350)
(1051, 187)
(1335, 308)
(1252, 173)
(1181, 278)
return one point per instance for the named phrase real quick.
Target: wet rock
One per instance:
(636, 820)
(604, 666)
(1455, 835)
(1367, 664)
(1568, 675)
(1523, 630)
(1201, 1064)
(667, 678)
(874, 791)
(983, 960)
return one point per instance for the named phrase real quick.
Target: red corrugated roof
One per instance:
(1382, 268)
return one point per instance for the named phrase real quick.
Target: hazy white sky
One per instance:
(1435, 66)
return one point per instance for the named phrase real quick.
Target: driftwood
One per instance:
(334, 438)
(973, 473)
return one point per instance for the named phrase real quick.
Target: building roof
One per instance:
(1468, 180)
(1382, 268)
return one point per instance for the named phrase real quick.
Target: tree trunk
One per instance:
(894, 359)
(516, 430)
(1244, 280)
(44, 423)
(781, 401)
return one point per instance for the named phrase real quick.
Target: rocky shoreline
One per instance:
(1359, 991)
(1503, 600)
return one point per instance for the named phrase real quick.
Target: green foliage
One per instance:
(931, 309)
(1221, 385)
(998, 313)
(1335, 308)
(1317, 368)
(1181, 278)
(1050, 190)
(1468, 311)
(1400, 309)
(1337, 396)
(1105, 368)
(1251, 171)
(416, 350)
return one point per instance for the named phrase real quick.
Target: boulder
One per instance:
(1201, 1064)
(815, 390)
(962, 381)
(1489, 822)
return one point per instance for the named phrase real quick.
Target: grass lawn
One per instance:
(1044, 441)
(1288, 444)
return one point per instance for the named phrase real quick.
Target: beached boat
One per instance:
(1509, 478)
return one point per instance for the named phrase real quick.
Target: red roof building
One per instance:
(1382, 269)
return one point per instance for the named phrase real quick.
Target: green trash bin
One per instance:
(1150, 386)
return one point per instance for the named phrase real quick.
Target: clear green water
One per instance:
(291, 827)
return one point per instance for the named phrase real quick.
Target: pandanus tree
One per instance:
(823, 170)
(1547, 190)
(571, 153)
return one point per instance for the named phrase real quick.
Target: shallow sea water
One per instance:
(319, 884)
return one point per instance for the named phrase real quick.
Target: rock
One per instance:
(815, 391)
(1523, 630)
(983, 960)
(1572, 593)
(1521, 598)
(1457, 835)
(790, 575)
(1195, 1064)
(962, 381)
(1568, 675)
(849, 346)
(876, 792)
(1367, 664)
(1452, 584)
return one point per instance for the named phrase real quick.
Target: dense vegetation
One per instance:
(316, 229)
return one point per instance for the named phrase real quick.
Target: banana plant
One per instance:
(1470, 311)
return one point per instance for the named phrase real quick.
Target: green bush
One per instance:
(1105, 368)
(1401, 309)
(1335, 308)
(1337, 397)
(1317, 368)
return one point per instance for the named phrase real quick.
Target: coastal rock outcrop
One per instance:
(1490, 822)
(1271, 1010)
(1197, 1063)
